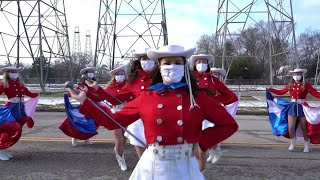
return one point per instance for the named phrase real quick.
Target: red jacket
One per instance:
(115, 89)
(16, 89)
(92, 93)
(222, 93)
(10, 132)
(296, 92)
(130, 89)
(167, 117)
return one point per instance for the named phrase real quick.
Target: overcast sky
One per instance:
(187, 20)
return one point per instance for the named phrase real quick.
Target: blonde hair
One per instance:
(111, 82)
(5, 80)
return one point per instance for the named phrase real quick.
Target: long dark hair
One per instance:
(133, 73)
(157, 78)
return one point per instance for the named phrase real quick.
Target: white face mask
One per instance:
(119, 78)
(172, 73)
(90, 75)
(147, 65)
(297, 78)
(202, 67)
(13, 75)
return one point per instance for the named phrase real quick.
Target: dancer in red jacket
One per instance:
(118, 80)
(66, 126)
(138, 81)
(172, 111)
(11, 124)
(200, 64)
(298, 90)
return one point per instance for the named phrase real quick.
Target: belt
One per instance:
(298, 100)
(16, 100)
(118, 107)
(171, 152)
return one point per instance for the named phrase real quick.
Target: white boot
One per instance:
(87, 141)
(122, 162)
(307, 146)
(293, 143)
(3, 155)
(217, 155)
(7, 154)
(211, 154)
(74, 142)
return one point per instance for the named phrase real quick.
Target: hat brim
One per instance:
(82, 71)
(5, 69)
(220, 71)
(157, 54)
(299, 71)
(120, 68)
(194, 58)
(139, 54)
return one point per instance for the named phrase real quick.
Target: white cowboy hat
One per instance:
(194, 58)
(120, 68)
(169, 51)
(298, 70)
(140, 53)
(84, 70)
(8, 68)
(221, 71)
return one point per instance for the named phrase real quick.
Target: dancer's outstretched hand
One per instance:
(79, 97)
(83, 88)
(92, 84)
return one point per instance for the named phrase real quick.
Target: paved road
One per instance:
(252, 153)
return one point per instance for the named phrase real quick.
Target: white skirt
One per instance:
(167, 163)
(137, 129)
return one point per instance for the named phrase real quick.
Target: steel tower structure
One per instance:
(76, 40)
(127, 25)
(234, 16)
(88, 45)
(34, 31)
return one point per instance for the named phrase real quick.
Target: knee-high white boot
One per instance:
(307, 146)
(211, 154)
(293, 143)
(87, 141)
(7, 153)
(3, 155)
(217, 155)
(74, 142)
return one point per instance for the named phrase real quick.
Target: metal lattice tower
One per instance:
(88, 45)
(76, 41)
(124, 26)
(235, 16)
(34, 31)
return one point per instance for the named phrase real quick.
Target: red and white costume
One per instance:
(10, 131)
(172, 125)
(67, 127)
(222, 93)
(168, 120)
(127, 93)
(297, 93)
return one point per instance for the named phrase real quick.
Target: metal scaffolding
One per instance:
(34, 31)
(76, 41)
(234, 17)
(127, 25)
(88, 45)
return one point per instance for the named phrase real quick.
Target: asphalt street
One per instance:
(44, 152)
